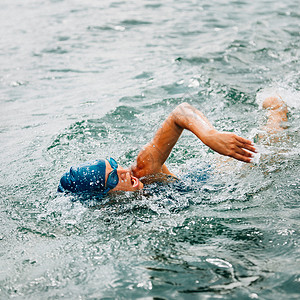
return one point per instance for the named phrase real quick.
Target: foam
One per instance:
(290, 96)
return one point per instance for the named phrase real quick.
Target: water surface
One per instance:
(85, 80)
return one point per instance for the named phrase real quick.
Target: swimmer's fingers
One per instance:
(245, 144)
(243, 155)
(242, 158)
(242, 148)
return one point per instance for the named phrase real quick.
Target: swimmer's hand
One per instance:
(230, 144)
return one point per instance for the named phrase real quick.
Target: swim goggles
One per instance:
(112, 178)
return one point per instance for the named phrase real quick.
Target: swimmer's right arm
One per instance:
(151, 158)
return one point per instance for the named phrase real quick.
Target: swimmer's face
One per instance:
(127, 182)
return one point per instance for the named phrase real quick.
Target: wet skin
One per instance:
(151, 159)
(127, 182)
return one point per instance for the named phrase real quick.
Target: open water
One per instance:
(81, 80)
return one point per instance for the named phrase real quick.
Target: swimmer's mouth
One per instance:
(134, 181)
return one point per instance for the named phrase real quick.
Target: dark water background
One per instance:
(81, 80)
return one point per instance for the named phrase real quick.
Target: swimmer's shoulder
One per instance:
(160, 178)
(142, 171)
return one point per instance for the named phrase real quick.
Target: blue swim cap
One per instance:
(88, 177)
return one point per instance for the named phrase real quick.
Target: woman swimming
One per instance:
(103, 176)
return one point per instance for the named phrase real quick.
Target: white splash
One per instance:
(288, 94)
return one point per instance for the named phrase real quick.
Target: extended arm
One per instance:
(151, 158)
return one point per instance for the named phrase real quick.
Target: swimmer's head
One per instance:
(98, 177)
(127, 182)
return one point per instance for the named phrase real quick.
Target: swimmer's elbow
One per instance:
(181, 109)
(183, 106)
(181, 114)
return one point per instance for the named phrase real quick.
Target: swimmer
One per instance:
(103, 176)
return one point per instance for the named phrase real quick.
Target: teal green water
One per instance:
(82, 80)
